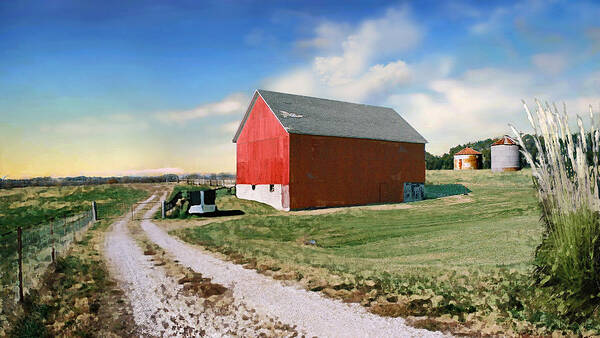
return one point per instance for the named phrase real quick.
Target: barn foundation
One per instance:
(275, 195)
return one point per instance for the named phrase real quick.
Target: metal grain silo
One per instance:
(467, 159)
(505, 155)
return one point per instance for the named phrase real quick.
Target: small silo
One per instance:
(467, 159)
(505, 155)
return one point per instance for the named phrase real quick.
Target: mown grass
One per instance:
(461, 231)
(467, 257)
(35, 205)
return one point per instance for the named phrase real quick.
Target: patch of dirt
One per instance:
(201, 287)
(325, 211)
(457, 199)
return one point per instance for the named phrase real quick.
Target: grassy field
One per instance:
(35, 205)
(496, 225)
(462, 261)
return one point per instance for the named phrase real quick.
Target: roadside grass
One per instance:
(82, 262)
(463, 261)
(77, 296)
(35, 205)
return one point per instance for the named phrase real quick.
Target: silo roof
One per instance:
(505, 140)
(468, 151)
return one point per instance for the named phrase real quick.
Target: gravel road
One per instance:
(162, 307)
(311, 313)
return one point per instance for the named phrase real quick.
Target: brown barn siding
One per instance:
(336, 171)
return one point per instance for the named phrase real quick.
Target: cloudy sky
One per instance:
(126, 87)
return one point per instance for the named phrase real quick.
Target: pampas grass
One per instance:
(566, 177)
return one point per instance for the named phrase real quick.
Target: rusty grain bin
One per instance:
(505, 155)
(467, 159)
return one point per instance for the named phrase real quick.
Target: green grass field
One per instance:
(35, 205)
(468, 256)
(496, 225)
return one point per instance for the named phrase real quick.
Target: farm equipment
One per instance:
(202, 202)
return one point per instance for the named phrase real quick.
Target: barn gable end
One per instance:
(262, 157)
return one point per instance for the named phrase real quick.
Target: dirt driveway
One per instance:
(220, 298)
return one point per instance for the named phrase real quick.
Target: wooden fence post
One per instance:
(163, 207)
(94, 211)
(20, 254)
(52, 236)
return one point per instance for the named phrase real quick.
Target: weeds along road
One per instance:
(309, 312)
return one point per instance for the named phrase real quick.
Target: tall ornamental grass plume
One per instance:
(566, 176)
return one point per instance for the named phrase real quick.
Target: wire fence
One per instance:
(108, 210)
(26, 253)
(212, 182)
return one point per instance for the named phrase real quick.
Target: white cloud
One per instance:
(110, 124)
(550, 63)
(353, 72)
(490, 23)
(502, 15)
(328, 37)
(232, 104)
(379, 79)
(365, 65)
(300, 81)
(477, 105)
(230, 127)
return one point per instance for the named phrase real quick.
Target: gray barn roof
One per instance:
(314, 116)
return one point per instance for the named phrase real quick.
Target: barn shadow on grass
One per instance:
(222, 213)
(443, 190)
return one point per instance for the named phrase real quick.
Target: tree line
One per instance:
(446, 161)
(87, 180)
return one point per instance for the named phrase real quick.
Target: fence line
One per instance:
(26, 253)
(212, 182)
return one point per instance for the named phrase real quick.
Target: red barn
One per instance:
(298, 152)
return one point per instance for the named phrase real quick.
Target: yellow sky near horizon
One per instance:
(26, 154)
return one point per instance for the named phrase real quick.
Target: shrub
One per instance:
(565, 173)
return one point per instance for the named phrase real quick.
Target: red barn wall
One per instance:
(336, 171)
(263, 148)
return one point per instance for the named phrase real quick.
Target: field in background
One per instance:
(462, 261)
(35, 205)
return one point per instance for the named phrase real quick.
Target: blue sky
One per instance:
(117, 87)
